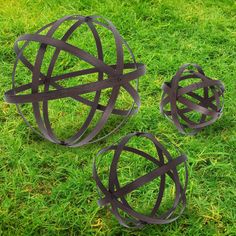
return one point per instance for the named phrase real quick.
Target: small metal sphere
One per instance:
(118, 76)
(115, 195)
(189, 109)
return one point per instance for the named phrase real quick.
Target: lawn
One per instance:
(47, 189)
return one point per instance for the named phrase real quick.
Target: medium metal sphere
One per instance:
(114, 194)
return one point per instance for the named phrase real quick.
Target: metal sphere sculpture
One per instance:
(115, 195)
(184, 101)
(117, 78)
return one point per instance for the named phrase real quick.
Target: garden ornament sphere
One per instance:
(193, 106)
(114, 195)
(114, 77)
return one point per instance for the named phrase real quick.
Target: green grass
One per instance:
(47, 189)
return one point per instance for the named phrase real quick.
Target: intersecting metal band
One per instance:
(117, 78)
(115, 194)
(173, 93)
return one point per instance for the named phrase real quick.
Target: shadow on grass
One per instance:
(224, 123)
